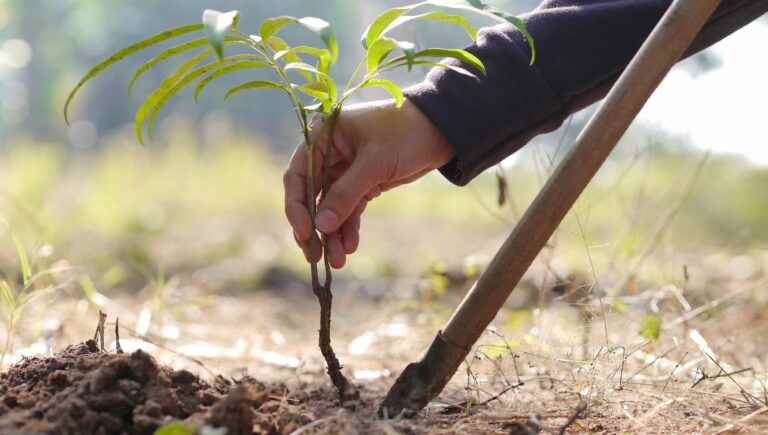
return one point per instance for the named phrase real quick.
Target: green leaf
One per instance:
(389, 86)
(462, 55)
(187, 80)
(455, 53)
(301, 66)
(217, 24)
(163, 55)
(122, 54)
(26, 270)
(174, 84)
(181, 71)
(453, 68)
(176, 428)
(256, 84)
(379, 26)
(252, 64)
(438, 16)
(318, 26)
(323, 29)
(278, 45)
(315, 90)
(315, 52)
(321, 77)
(175, 51)
(382, 47)
(272, 26)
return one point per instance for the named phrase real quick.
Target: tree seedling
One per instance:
(303, 74)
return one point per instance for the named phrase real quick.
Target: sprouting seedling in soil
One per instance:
(303, 74)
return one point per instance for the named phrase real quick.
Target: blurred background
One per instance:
(185, 239)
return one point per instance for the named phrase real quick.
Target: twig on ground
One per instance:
(679, 363)
(748, 396)
(742, 421)
(576, 416)
(99, 335)
(118, 348)
(645, 367)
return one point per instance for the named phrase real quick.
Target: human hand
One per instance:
(376, 147)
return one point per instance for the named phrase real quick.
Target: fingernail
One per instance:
(326, 221)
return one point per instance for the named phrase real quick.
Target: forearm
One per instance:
(582, 47)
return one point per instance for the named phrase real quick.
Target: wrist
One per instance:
(430, 136)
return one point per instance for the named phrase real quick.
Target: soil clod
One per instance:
(84, 390)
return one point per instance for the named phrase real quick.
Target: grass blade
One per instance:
(26, 270)
(122, 54)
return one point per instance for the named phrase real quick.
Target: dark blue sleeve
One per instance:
(582, 47)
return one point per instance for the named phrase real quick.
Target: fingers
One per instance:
(295, 184)
(312, 248)
(346, 194)
(350, 231)
(336, 255)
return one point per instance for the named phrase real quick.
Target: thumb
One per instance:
(345, 195)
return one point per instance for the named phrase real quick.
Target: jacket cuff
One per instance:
(485, 118)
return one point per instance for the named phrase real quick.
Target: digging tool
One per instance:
(422, 381)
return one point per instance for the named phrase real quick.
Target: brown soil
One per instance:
(85, 391)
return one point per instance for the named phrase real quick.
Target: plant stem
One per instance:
(347, 392)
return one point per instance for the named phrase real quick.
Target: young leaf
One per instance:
(382, 47)
(252, 64)
(175, 51)
(122, 54)
(301, 66)
(315, 90)
(163, 55)
(453, 68)
(321, 77)
(462, 55)
(389, 86)
(322, 28)
(256, 84)
(455, 53)
(26, 270)
(183, 76)
(377, 27)
(187, 80)
(438, 16)
(383, 21)
(217, 24)
(315, 52)
(272, 26)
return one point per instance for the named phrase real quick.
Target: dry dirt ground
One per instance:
(248, 363)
